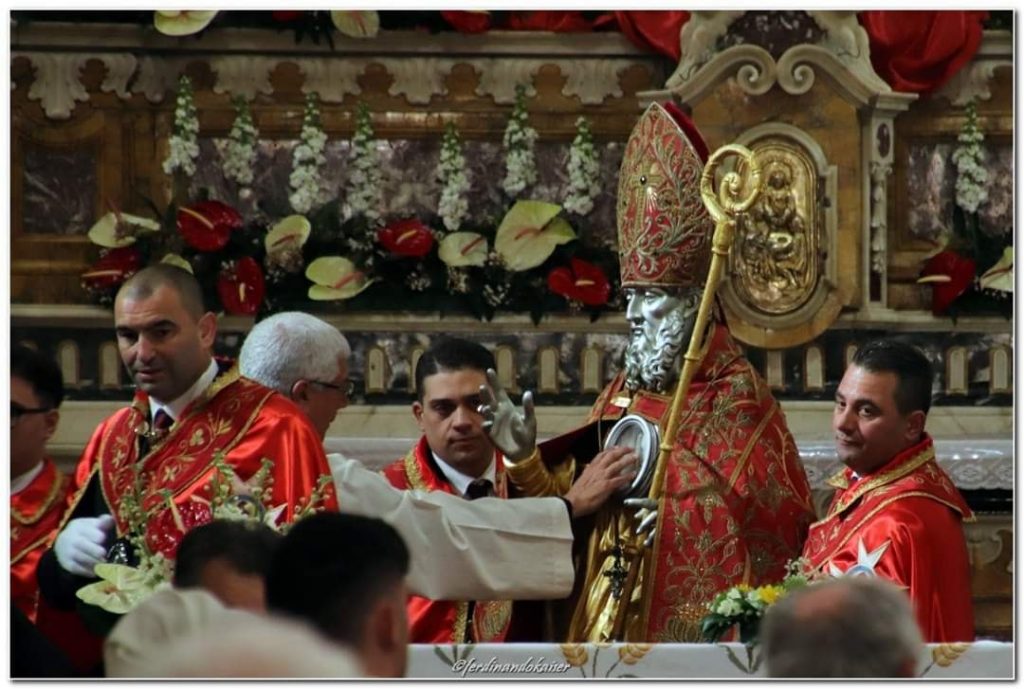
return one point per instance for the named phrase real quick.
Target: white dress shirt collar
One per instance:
(177, 406)
(20, 483)
(461, 481)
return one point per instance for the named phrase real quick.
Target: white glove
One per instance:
(81, 545)
(647, 515)
(513, 433)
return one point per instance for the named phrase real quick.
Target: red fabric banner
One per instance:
(919, 51)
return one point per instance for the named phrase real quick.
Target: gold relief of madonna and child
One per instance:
(775, 258)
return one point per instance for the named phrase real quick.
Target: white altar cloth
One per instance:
(978, 660)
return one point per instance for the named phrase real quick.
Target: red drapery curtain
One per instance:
(912, 50)
(919, 51)
(654, 30)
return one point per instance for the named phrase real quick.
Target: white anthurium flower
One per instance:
(119, 589)
(1000, 276)
(356, 23)
(289, 233)
(335, 278)
(182, 22)
(529, 233)
(115, 230)
(177, 260)
(460, 249)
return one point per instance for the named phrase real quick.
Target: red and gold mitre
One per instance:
(664, 229)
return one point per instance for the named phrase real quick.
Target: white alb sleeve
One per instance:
(487, 549)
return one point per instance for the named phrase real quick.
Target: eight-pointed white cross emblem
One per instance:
(866, 562)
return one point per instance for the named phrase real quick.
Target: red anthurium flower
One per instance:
(170, 526)
(466, 21)
(949, 274)
(409, 238)
(240, 287)
(207, 225)
(581, 281)
(286, 15)
(114, 267)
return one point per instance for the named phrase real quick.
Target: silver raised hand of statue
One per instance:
(513, 432)
(647, 515)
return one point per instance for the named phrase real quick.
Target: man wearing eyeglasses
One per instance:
(459, 550)
(160, 450)
(38, 489)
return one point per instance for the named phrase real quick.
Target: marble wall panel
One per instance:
(59, 194)
(410, 186)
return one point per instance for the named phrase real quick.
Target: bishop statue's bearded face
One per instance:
(660, 323)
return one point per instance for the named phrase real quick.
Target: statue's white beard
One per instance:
(653, 364)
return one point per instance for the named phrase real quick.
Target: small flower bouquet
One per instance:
(743, 606)
(122, 585)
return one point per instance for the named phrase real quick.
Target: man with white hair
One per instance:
(460, 550)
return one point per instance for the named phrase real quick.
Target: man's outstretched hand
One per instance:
(610, 470)
(512, 432)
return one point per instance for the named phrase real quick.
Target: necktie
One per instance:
(480, 488)
(162, 421)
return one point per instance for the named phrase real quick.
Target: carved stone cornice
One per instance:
(844, 40)
(972, 82)
(756, 71)
(242, 60)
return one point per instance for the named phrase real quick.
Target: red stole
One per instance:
(902, 522)
(433, 621)
(36, 512)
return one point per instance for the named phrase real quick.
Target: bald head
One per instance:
(164, 337)
(147, 281)
(845, 627)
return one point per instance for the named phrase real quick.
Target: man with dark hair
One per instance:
(186, 411)
(895, 513)
(455, 455)
(228, 558)
(38, 489)
(39, 492)
(345, 575)
(842, 628)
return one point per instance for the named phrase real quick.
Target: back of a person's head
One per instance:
(232, 645)
(844, 627)
(41, 372)
(144, 283)
(908, 363)
(331, 570)
(246, 546)
(291, 346)
(452, 354)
